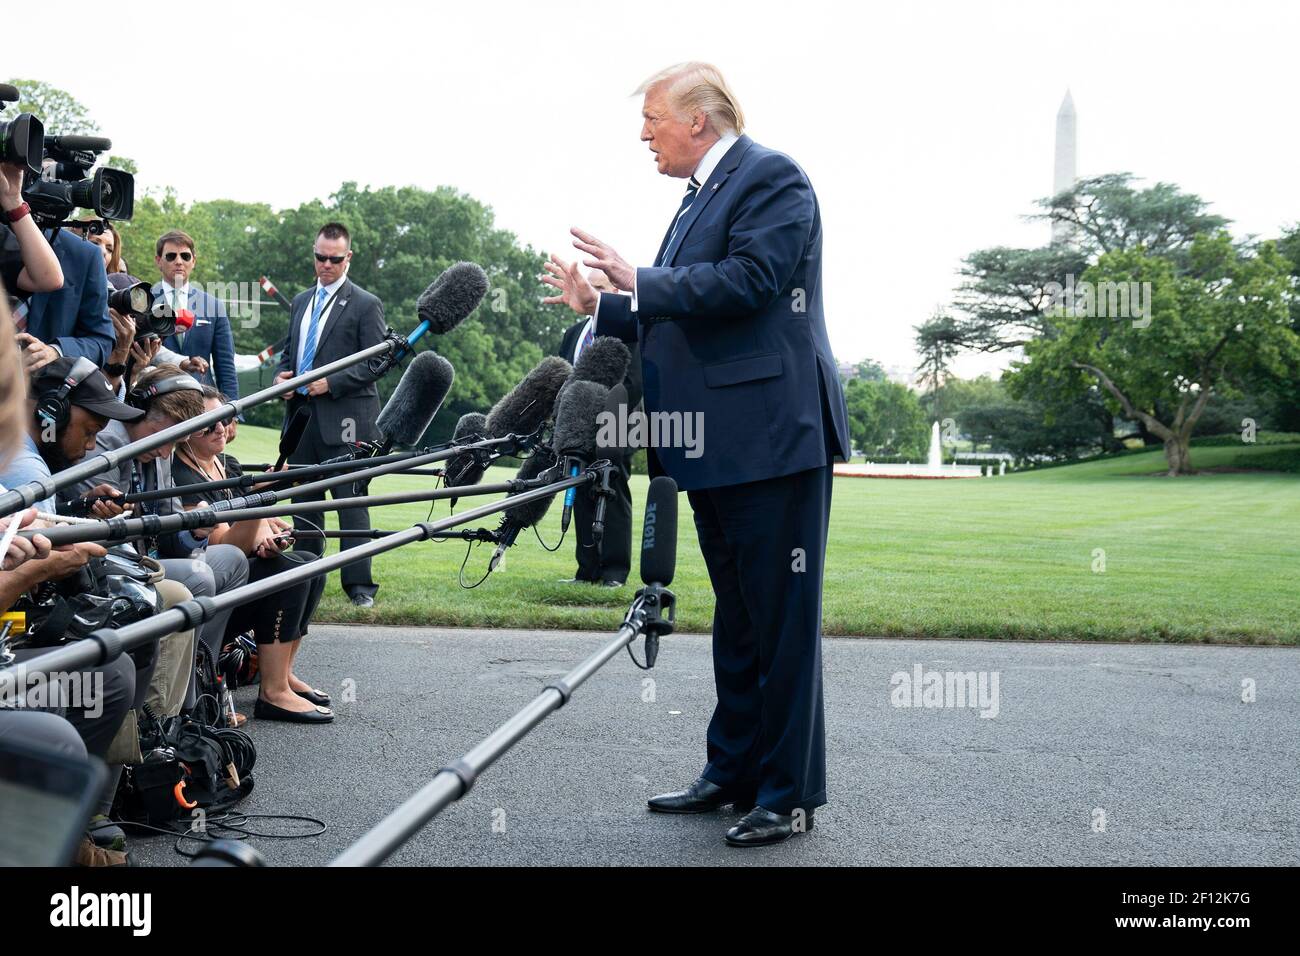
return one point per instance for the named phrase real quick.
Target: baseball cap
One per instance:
(93, 394)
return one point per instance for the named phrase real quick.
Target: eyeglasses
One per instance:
(336, 260)
(171, 256)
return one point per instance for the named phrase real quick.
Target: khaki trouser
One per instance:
(171, 675)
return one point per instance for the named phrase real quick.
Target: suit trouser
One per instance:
(354, 577)
(613, 561)
(764, 544)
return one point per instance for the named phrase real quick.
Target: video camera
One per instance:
(56, 188)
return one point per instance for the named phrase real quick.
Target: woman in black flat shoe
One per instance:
(278, 620)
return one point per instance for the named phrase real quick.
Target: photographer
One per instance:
(73, 320)
(38, 269)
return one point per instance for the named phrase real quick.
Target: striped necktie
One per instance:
(587, 338)
(691, 190)
(313, 330)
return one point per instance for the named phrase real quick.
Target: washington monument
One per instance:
(1064, 173)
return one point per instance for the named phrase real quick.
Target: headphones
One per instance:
(141, 395)
(54, 406)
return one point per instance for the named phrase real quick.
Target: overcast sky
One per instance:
(926, 128)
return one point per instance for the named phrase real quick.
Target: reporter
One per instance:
(278, 621)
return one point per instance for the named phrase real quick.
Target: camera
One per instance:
(152, 314)
(57, 177)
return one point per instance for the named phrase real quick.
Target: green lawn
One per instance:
(1210, 557)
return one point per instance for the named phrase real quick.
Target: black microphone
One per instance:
(291, 437)
(466, 468)
(529, 404)
(75, 143)
(658, 551)
(604, 361)
(416, 400)
(445, 304)
(527, 514)
(574, 439)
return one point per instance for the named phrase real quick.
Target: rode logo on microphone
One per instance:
(648, 535)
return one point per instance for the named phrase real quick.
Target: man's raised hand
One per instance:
(575, 291)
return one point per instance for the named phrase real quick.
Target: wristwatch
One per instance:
(22, 209)
(115, 369)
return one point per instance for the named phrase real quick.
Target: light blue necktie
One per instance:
(587, 339)
(313, 329)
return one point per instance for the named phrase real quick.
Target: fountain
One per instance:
(933, 467)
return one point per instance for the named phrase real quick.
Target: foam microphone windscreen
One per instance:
(523, 410)
(532, 512)
(576, 420)
(466, 468)
(605, 361)
(452, 297)
(417, 398)
(659, 532)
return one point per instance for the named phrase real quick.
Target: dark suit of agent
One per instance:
(613, 562)
(333, 319)
(729, 320)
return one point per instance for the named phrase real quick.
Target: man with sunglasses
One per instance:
(210, 338)
(334, 318)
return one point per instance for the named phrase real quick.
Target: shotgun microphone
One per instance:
(527, 406)
(414, 403)
(576, 426)
(526, 515)
(466, 468)
(291, 437)
(658, 558)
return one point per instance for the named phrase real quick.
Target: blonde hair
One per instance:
(13, 385)
(696, 87)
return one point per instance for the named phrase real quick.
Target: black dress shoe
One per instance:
(363, 600)
(315, 696)
(701, 797)
(760, 827)
(265, 710)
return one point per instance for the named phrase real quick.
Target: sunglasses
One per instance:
(211, 429)
(171, 256)
(336, 260)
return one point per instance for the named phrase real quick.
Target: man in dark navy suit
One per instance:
(74, 321)
(210, 338)
(729, 320)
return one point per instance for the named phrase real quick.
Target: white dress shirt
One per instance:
(707, 164)
(305, 322)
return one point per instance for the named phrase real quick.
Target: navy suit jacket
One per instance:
(731, 325)
(75, 318)
(211, 339)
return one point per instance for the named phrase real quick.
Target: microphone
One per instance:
(574, 439)
(416, 400)
(184, 320)
(466, 468)
(75, 143)
(529, 404)
(445, 304)
(291, 437)
(658, 554)
(526, 515)
(604, 361)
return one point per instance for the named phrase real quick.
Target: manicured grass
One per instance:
(1209, 557)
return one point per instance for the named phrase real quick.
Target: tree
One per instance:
(1203, 332)
(937, 342)
(59, 111)
(886, 418)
